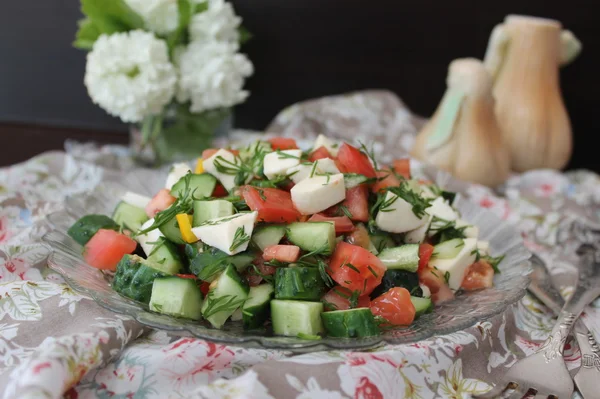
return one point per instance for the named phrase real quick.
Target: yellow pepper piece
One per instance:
(199, 166)
(185, 226)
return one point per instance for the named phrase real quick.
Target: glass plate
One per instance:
(463, 312)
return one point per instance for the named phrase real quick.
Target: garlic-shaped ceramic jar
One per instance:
(463, 136)
(523, 57)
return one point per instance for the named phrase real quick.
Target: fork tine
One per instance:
(493, 393)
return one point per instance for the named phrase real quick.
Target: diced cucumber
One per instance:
(229, 293)
(208, 265)
(83, 229)
(382, 241)
(267, 235)
(171, 230)
(134, 278)
(192, 250)
(179, 297)
(291, 318)
(352, 180)
(256, 309)
(405, 257)
(165, 257)
(351, 323)
(448, 249)
(237, 315)
(398, 278)
(313, 236)
(299, 283)
(129, 217)
(422, 305)
(200, 185)
(206, 210)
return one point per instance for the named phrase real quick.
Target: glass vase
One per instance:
(177, 135)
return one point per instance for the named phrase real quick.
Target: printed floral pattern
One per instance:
(92, 353)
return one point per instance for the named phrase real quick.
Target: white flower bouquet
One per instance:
(172, 68)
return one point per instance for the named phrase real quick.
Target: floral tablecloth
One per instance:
(55, 343)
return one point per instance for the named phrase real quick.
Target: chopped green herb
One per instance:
(239, 239)
(313, 170)
(328, 305)
(157, 306)
(309, 336)
(284, 155)
(261, 194)
(477, 254)
(225, 303)
(351, 266)
(323, 268)
(353, 301)
(372, 271)
(369, 153)
(268, 279)
(344, 209)
(447, 277)
(494, 262)
(419, 204)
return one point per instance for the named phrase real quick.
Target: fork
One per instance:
(542, 287)
(544, 374)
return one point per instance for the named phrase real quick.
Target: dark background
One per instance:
(301, 49)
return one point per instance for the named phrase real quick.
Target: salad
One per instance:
(303, 243)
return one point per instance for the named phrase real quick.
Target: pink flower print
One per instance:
(4, 232)
(486, 202)
(39, 367)
(365, 389)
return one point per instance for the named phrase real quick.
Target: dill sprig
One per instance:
(225, 303)
(369, 153)
(419, 204)
(240, 238)
(353, 300)
(494, 261)
(323, 268)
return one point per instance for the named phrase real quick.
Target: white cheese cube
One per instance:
(398, 217)
(470, 231)
(426, 291)
(277, 164)
(230, 234)
(329, 144)
(303, 171)
(148, 240)
(483, 247)
(417, 236)
(318, 193)
(442, 214)
(226, 158)
(457, 266)
(141, 201)
(177, 171)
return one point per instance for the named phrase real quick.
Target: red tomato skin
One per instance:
(355, 161)
(204, 287)
(282, 253)
(402, 167)
(479, 275)
(283, 143)
(395, 306)
(339, 165)
(276, 208)
(388, 179)
(342, 223)
(425, 252)
(319, 153)
(440, 292)
(339, 297)
(188, 276)
(106, 248)
(360, 237)
(365, 280)
(357, 203)
(161, 201)
(219, 191)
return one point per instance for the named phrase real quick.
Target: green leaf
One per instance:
(245, 34)
(110, 16)
(179, 36)
(86, 35)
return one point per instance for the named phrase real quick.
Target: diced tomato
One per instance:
(355, 161)
(205, 287)
(338, 298)
(479, 275)
(342, 223)
(106, 248)
(425, 252)
(339, 165)
(219, 191)
(190, 276)
(360, 237)
(209, 152)
(395, 306)
(388, 179)
(402, 167)
(273, 205)
(282, 253)
(161, 201)
(319, 153)
(254, 278)
(355, 268)
(283, 143)
(357, 203)
(440, 292)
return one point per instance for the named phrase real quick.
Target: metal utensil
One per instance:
(542, 287)
(544, 373)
